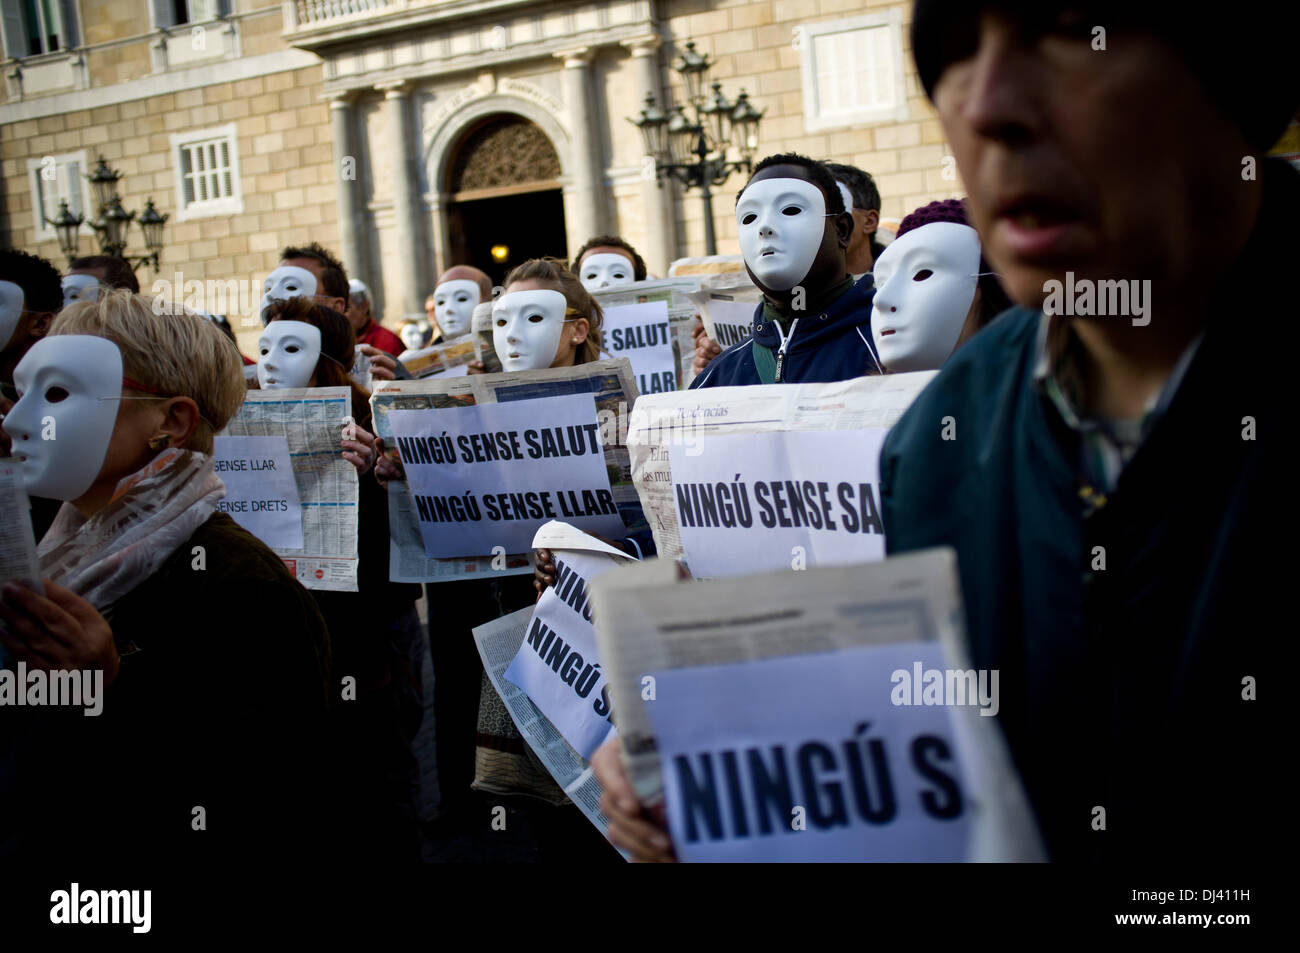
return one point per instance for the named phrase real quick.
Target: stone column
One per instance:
(656, 199)
(584, 195)
(406, 200)
(347, 175)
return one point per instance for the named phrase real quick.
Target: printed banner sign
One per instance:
(811, 758)
(489, 475)
(731, 321)
(261, 492)
(557, 666)
(762, 502)
(641, 333)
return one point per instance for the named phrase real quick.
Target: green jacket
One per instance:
(1122, 688)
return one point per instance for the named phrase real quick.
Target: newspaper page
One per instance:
(684, 420)
(18, 562)
(485, 347)
(611, 385)
(657, 629)
(449, 359)
(726, 304)
(676, 295)
(498, 643)
(312, 421)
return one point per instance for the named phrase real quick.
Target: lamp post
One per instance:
(112, 223)
(693, 148)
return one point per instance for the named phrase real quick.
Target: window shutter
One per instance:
(15, 35)
(164, 14)
(71, 34)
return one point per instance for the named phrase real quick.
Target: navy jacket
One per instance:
(1121, 681)
(832, 345)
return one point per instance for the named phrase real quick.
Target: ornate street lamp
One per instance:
(104, 183)
(66, 226)
(693, 148)
(112, 224)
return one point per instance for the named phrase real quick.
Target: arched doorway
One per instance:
(504, 183)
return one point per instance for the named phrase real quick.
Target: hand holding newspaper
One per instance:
(795, 716)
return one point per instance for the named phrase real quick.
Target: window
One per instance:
(207, 173)
(56, 177)
(33, 27)
(168, 13)
(853, 71)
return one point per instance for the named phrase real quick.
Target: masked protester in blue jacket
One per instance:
(814, 324)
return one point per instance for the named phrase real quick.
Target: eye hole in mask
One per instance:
(922, 274)
(536, 318)
(748, 219)
(791, 210)
(56, 394)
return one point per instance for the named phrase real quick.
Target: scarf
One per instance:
(152, 512)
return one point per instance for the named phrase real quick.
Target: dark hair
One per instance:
(39, 279)
(859, 183)
(552, 271)
(117, 272)
(334, 279)
(817, 171)
(613, 241)
(337, 346)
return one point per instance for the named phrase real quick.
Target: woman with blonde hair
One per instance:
(204, 661)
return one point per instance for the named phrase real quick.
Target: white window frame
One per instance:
(69, 34)
(44, 231)
(219, 11)
(813, 119)
(231, 205)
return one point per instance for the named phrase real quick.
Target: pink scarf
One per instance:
(153, 511)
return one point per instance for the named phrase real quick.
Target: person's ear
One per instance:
(844, 228)
(581, 328)
(180, 420)
(339, 304)
(872, 221)
(41, 322)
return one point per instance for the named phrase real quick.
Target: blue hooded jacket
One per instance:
(831, 345)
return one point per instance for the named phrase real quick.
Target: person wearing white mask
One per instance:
(30, 297)
(460, 289)
(146, 590)
(933, 289)
(377, 636)
(814, 323)
(607, 261)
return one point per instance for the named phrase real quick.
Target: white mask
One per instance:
(288, 353)
(925, 283)
(79, 288)
(61, 381)
(287, 281)
(11, 310)
(412, 337)
(526, 328)
(605, 270)
(780, 248)
(453, 304)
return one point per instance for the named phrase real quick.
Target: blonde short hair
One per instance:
(168, 349)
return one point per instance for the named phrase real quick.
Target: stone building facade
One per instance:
(434, 130)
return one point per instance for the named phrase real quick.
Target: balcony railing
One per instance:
(304, 14)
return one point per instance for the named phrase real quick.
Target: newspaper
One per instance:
(726, 304)
(449, 359)
(485, 347)
(609, 382)
(498, 643)
(651, 620)
(311, 420)
(676, 292)
(687, 417)
(18, 561)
